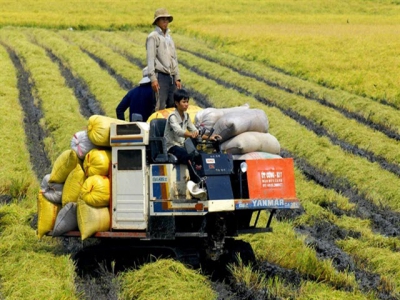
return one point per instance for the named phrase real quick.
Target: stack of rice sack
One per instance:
(243, 130)
(76, 195)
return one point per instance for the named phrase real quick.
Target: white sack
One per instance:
(81, 143)
(255, 156)
(235, 123)
(252, 142)
(51, 191)
(209, 116)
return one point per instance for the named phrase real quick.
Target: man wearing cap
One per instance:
(162, 61)
(140, 101)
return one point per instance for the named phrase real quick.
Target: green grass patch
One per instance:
(381, 261)
(165, 279)
(15, 170)
(31, 268)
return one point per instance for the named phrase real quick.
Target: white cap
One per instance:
(145, 78)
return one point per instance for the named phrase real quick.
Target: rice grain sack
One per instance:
(63, 165)
(97, 162)
(255, 155)
(47, 214)
(73, 185)
(66, 220)
(98, 129)
(81, 144)
(96, 191)
(52, 191)
(235, 123)
(164, 113)
(92, 219)
(252, 142)
(209, 116)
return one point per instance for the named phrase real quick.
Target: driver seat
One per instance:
(157, 143)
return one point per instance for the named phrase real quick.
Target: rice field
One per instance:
(325, 73)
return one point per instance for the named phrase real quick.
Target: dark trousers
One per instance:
(166, 92)
(184, 158)
(180, 153)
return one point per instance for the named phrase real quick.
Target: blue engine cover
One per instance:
(219, 187)
(215, 164)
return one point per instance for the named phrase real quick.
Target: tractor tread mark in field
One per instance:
(381, 101)
(317, 129)
(123, 82)
(322, 238)
(321, 131)
(384, 221)
(35, 134)
(105, 259)
(311, 96)
(136, 61)
(88, 103)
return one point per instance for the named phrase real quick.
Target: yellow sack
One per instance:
(164, 113)
(98, 129)
(96, 191)
(73, 185)
(92, 219)
(97, 162)
(63, 165)
(47, 214)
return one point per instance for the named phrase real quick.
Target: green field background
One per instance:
(352, 45)
(345, 52)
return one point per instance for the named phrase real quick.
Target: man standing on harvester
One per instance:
(162, 61)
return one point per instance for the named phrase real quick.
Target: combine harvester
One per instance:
(154, 205)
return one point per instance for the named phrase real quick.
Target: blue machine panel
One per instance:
(216, 164)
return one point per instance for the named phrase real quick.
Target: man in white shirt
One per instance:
(179, 127)
(162, 61)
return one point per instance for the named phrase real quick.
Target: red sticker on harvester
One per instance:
(271, 178)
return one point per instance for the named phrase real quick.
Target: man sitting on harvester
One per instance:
(179, 127)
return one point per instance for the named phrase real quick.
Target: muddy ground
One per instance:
(95, 274)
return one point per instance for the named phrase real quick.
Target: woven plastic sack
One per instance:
(164, 113)
(255, 155)
(235, 123)
(63, 165)
(252, 142)
(73, 185)
(92, 219)
(66, 220)
(209, 116)
(97, 162)
(47, 214)
(52, 191)
(96, 191)
(98, 129)
(81, 144)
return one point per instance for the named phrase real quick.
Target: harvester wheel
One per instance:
(242, 249)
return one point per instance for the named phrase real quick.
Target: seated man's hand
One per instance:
(215, 137)
(194, 134)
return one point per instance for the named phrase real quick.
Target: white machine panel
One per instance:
(129, 188)
(129, 134)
